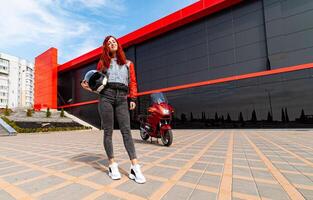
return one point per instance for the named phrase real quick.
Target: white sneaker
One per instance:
(136, 174)
(114, 173)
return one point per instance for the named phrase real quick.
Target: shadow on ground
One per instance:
(148, 142)
(97, 161)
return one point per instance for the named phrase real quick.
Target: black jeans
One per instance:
(114, 101)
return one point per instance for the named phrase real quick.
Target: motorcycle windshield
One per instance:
(158, 98)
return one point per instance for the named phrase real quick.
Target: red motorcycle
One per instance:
(157, 123)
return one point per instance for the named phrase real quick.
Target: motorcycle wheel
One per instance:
(167, 138)
(143, 134)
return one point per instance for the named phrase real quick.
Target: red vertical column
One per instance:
(46, 78)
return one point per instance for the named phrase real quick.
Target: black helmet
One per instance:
(96, 80)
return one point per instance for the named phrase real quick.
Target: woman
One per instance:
(113, 100)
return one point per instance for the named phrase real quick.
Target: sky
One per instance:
(74, 27)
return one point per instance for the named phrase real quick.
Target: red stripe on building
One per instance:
(214, 81)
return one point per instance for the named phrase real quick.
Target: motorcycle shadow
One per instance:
(154, 142)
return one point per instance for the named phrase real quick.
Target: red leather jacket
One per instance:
(132, 80)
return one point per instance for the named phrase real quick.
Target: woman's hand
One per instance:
(84, 84)
(132, 105)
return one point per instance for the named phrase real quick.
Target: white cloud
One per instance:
(27, 21)
(116, 5)
(55, 23)
(79, 49)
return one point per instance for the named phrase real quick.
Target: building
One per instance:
(227, 63)
(16, 82)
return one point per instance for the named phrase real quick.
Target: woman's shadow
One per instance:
(97, 161)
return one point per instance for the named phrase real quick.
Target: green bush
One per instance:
(29, 112)
(44, 129)
(7, 111)
(48, 113)
(62, 113)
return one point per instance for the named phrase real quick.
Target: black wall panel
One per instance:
(227, 43)
(289, 28)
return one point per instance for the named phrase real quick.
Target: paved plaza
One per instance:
(201, 164)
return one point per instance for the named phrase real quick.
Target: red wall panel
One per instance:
(45, 84)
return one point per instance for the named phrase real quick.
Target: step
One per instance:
(5, 129)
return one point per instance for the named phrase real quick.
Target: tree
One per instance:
(48, 113)
(240, 118)
(183, 118)
(228, 119)
(253, 117)
(203, 117)
(216, 117)
(302, 116)
(286, 115)
(269, 117)
(222, 119)
(191, 116)
(283, 118)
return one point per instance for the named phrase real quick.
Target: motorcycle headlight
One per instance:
(166, 111)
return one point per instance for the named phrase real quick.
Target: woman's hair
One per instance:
(106, 55)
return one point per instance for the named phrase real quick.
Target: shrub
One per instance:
(62, 113)
(6, 111)
(44, 129)
(48, 113)
(29, 112)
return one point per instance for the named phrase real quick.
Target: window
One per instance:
(4, 62)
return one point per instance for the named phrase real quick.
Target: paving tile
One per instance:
(263, 175)
(183, 156)
(245, 187)
(46, 162)
(144, 190)
(148, 159)
(215, 168)
(85, 152)
(304, 169)
(242, 172)
(40, 184)
(5, 196)
(284, 166)
(298, 179)
(270, 191)
(191, 177)
(62, 165)
(200, 166)
(241, 163)
(256, 164)
(6, 164)
(81, 171)
(308, 194)
(210, 180)
(101, 178)
(202, 195)
(70, 192)
(22, 176)
(107, 197)
(175, 163)
(178, 193)
(161, 171)
(14, 168)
